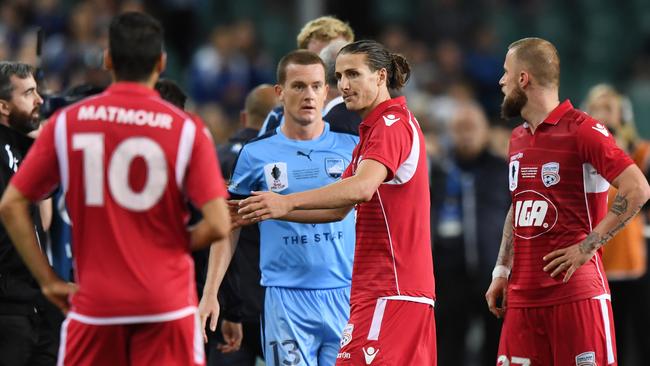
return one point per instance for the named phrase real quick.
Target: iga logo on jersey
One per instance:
(534, 214)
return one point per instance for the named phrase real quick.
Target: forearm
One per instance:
(221, 253)
(627, 203)
(506, 251)
(20, 227)
(344, 193)
(317, 216)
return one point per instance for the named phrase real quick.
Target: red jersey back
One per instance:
(127, 161)
(393, 247)
(559, 181)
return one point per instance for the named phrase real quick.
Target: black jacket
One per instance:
(18, 289)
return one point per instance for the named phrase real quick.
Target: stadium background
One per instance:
(219, 50)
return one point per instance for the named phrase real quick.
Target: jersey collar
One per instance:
(383, 106)
(554, 117)
(128, 87)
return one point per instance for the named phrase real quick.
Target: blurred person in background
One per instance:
(469, 198)
(29, 335)
(625, 256)
(548, 275)
(314, 36)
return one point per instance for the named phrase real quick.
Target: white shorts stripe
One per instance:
(62, 342)
(608, 332)
(380, 308)
(154, 318)
(199, 350)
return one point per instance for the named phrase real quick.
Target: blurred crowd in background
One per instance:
(219, 50)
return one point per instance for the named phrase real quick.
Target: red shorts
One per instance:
(173, 342)
(579, 333)
(389, 332)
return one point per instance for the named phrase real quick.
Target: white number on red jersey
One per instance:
(92, 146)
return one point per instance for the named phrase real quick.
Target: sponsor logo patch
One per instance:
(334, 167)
(534, 214)
(370, 354)
(347, 335)
(602, 129)
(276, 176)
(390, 119)
(586, 359)
(513, 175)
(551, 174)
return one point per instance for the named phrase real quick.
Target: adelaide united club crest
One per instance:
(551, 174)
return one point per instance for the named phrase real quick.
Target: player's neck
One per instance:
(382, 96)
(296, 131)
(538, 107)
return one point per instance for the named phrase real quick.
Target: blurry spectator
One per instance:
(469, 198)
(318, 33)
(625, 256)
(219, 72)
(484, 66)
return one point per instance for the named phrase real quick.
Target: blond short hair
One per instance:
(540, 58)
(325, 28)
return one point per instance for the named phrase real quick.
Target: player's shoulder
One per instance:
(394, 118)
(260, 145)
(585, 126)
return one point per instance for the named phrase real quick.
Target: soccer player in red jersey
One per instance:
(128, 162)
(549, 268)
(392, 296)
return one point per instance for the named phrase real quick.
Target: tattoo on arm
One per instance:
(506, 252)
(619, 206)
(620, 209)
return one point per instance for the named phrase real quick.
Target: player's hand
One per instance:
(232, 335)
(498, 290)
(58, 292)
(208, 308)
(566, 260)
(264, 205)
(236, 219)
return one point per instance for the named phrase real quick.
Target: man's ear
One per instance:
(383, 76)
(108, 61)
(243, 118)
(279, 91)
(161, 64)
(5, 109)
(524, 79)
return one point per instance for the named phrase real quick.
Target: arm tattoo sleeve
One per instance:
(506, 251)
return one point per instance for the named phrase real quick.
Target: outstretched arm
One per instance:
(342, 194)
(633, 192)
(498, 287)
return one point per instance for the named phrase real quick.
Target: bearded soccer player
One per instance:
(392, 296)
(128, 162)
(549, 274)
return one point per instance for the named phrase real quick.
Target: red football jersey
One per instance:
(127, 161)
(559, 181)
(393, 246)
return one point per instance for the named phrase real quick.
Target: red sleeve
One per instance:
(204, 181)
(598, 147)
(389, 144)
(38, 175)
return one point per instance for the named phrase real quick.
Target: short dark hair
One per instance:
(171, 92)
(9, 69)
(297, 57)
(135, 42)
(378, 57)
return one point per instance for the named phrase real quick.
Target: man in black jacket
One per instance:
(469, 197)
(28, 328)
